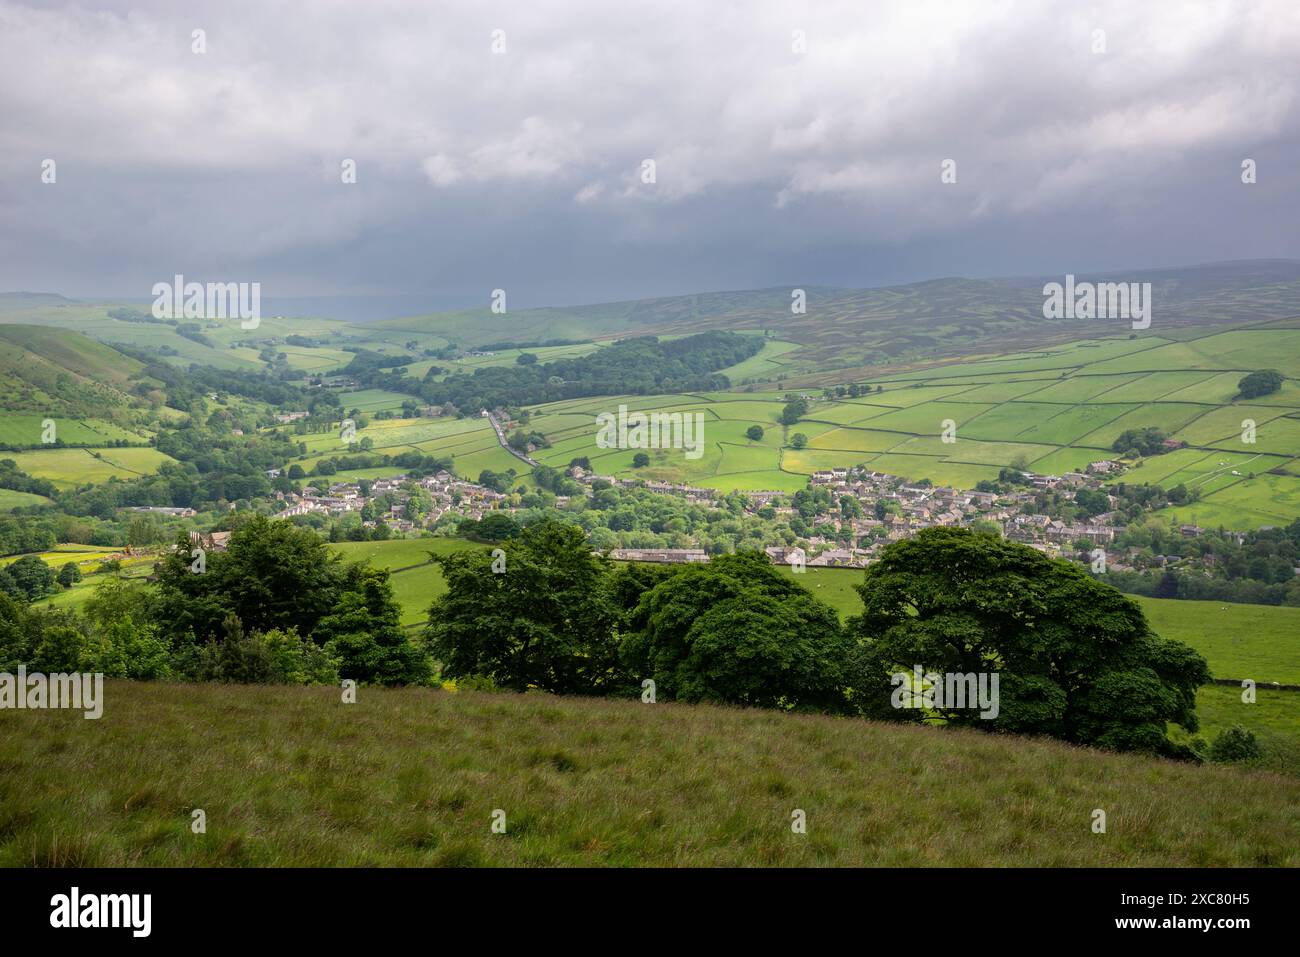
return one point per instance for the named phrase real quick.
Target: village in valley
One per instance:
(885, 508)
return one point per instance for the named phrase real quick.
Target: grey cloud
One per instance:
(476, 169)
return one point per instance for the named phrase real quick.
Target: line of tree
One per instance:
(638, 366)
(277, 606)
(1076, 659)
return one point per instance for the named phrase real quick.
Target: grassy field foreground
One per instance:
(292, 776)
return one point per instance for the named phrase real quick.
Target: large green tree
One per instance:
(20, 632)
(364, 632)
(273, 575)
(1264, 382)
(1076, 659)
(537, 614)
(31, 578)
(736, 630)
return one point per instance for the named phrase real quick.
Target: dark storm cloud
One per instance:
(522, 169)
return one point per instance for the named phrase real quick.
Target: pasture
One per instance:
(9, 499)
(292, 776)
(23, 429)
(373, 400)
(70, 468)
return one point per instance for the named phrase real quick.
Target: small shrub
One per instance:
(1234, 744)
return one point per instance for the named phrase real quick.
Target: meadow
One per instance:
(10, 499)
(416, 580)
(372, 400)
(70, 468)
(292, 776)
(27, 429)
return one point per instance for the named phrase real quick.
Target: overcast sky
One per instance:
(523, 169)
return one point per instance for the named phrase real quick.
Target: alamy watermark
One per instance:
(80, 691)
(653, 430)
(1107, 300)
(214, 300)
(75, 909)
(947, 692)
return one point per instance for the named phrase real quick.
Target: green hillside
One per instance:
(226, 345)
(291, 776)
(60, 372)
(1261, 642)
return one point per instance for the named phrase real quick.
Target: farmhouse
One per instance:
(210, 541)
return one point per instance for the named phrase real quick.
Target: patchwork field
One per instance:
(373, 400)
(1052, 410)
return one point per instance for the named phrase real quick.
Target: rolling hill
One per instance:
(54, 372)
(842, 332)
(844, 328)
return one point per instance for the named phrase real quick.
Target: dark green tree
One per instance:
(33, 578)
(364, 632)
(793, 411)
(59, 650)
(492, 527)
(69, 574)
(1076, 659)
(737, 631)
(20, 633)
(1259, 383)
(538, 614)
(273, 575)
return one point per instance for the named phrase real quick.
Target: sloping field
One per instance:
(18, 428)
(68, 468)
(292, 776)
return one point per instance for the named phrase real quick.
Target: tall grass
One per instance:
(292, 776)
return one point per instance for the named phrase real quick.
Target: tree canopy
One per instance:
(1255, 384)
(1076, 658)
(737, 631)
(541, 619)
(642, 365)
